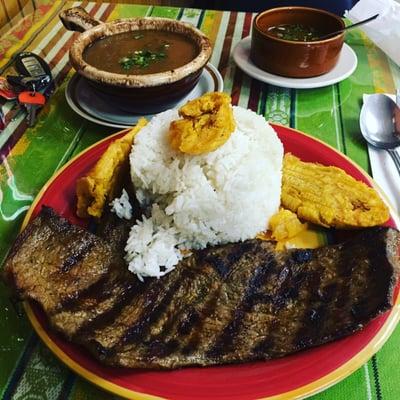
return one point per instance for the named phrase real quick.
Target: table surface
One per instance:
(30, 156)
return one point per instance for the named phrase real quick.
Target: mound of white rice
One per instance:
(227, 195)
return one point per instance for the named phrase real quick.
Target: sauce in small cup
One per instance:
(288, 55)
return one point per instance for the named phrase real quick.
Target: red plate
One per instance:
(294, 376)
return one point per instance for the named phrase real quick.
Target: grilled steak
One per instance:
(53, 261)
(232, 303)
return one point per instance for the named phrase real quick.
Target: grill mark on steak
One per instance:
(223, 265)
(290, 279)
(94, 291)
(345, 268)
(348, 265)
(163, 328)
(264, 345)
(310, 320)
(82, 310)
(151, 313)
(129, 290)
(203, 304)
(76, 256)
(135, 318)
(361, 309)
(195, 318)
(314, 322)
(167, 328)
(161, 349)
(190, 320)
(225, 341)
(260, 304)
(269, 306)
(197, 325)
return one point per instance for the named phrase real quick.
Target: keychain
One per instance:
(32, 101)
(33, 84)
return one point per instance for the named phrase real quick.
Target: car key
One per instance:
(29, 83)
(30, 64)
(32, 101)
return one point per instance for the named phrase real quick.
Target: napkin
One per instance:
(384, 31)
(384, 171)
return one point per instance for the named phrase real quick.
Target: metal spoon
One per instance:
(364, 21)
(380, 124)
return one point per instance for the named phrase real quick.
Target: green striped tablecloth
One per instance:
(29, 156)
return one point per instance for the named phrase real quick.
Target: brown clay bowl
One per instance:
(293, 58)
(147, 93)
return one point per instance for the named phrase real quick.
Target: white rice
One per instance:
(227, 195)
(121, 206)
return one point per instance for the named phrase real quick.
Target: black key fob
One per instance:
(30, 64)
(29, 83)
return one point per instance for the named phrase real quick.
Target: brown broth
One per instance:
(141, 52)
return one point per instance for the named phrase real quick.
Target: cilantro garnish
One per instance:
(141, 58)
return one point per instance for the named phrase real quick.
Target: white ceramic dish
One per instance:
(344, 68)
(98, 108)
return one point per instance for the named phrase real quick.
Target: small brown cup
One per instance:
(296, 59)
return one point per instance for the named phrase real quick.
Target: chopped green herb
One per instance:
(296, 32)
(139, 36)
(140, 59)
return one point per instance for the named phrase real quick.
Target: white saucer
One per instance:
(345, 67)
(97, 108)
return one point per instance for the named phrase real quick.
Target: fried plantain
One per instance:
(285, 225)
(329, 197)
(207, 123)
(99, 186)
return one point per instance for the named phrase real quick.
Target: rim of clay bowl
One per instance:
(129, 25)
(299, 8)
